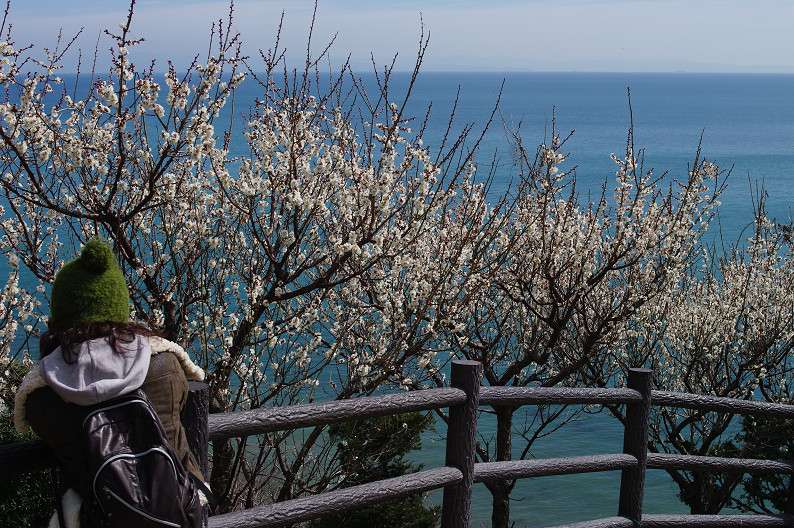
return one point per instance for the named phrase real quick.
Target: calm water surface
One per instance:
(746, 123)
(743, 122)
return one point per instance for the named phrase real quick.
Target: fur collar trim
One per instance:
(34, 380)
(72, 503)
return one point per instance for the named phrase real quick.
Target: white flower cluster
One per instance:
(338, 256)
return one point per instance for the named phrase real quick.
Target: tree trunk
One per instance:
(707, 495)
(500, 490)
(287, 487)
(223, 456)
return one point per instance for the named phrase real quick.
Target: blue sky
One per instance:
(494, 35)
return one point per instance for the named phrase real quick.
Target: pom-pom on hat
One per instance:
(89, 289)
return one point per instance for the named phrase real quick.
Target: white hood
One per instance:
(34, 379)
(99, 372)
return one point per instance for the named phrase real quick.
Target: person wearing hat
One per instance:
(92, 353)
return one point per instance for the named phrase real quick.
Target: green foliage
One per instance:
(707, 492)
(763, 438)
(375, 449)
(770, 439)
(25, 500)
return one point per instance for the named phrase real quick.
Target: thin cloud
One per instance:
(507, 35)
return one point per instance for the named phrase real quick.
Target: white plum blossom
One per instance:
(332, 252)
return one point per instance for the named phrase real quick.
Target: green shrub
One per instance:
(26, 500)
(376, 449)
(769, 439)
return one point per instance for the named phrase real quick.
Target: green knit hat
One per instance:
(89, 289)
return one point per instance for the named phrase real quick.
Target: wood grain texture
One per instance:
(266, 420)
(518, 396)
(709, 463)
(718, 404)
(306, 508)
(515, 469)
(461, 443)
(459, 474)
(194, 420)
(609, 522)
(690, 521)
(717, 521)
(635, 442)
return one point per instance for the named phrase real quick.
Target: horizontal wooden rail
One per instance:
(609, 522)
(269, 419)
(690, 521)
(542, 467)
(518, 396)
(329, 503)
(717, 521)
(456, 475)
(719, 404)
(23, 457)
(712, 463)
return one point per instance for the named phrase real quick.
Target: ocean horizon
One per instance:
(744, 122)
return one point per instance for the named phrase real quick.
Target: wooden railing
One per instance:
(460, 471)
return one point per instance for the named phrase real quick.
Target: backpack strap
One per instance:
(213, 502)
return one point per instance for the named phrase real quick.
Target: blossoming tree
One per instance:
(328, 254)
(313, 246)
(726, 329)
(574, 276)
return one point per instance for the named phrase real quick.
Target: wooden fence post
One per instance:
(195, 417)
(635, 442)
(461, 443)
(195, 420)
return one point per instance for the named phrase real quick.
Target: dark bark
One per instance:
(223, 458)
(500, 489)
(706, 493)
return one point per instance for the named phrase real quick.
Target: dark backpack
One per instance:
(136, 478)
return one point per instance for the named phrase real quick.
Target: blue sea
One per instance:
(745, 123)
